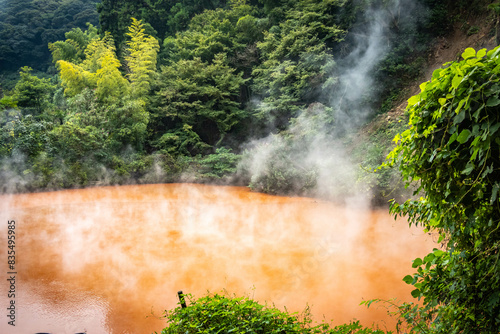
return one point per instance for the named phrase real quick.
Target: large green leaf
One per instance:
(464, 136)
(469, 53)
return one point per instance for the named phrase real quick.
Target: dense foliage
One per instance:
(161, 89)
(452, 151)
(222, 314)
(27, 26)
(163, 17)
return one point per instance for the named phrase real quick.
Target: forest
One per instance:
(270, 94)
(165, 91)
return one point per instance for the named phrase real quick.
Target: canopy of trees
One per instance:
(27, 26)
(177, 84)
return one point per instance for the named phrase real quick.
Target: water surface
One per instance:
(111, 259)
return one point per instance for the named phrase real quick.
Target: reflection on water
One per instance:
(110, 260)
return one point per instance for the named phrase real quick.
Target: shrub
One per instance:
(451, 152)
(216, 313)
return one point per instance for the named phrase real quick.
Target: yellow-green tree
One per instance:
(99, 74)
(141, 59)
(99, 70)
(73, 48)
(74, 78)
(110, 82)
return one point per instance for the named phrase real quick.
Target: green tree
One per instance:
(141, 59)
(31, 91)
(25, 135)
(7, 102)
(215, 31)
(297, 65)
(451, 151)
(122, 102)
(99, 70)
(73, 48)
(202, 96)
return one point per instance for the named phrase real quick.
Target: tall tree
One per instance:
(73, 48)
(31, 91)
(99, 70)
(297, 64)
(202, 97)
(215, 31)
(141, 59)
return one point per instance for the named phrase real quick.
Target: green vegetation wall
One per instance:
(452, 152)
(28, 26)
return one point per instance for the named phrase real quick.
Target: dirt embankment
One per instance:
(476, 32)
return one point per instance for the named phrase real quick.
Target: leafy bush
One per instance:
(451, 150)
(221, 314)
(221, 163)
(282, 175)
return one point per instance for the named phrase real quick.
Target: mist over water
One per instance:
(111, 259)
(314, 140)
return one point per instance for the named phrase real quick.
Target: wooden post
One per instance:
(181, 299)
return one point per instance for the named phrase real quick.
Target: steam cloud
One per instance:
(312, 144)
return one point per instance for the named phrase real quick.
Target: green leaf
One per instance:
(481, 53)
(417, 262)
(468, 53)
(456, 81)
(408, 279)
(460, 105)
(413, 100)
(493, 101)
(423, 85)
(438, 252)
(475, 152)
(463, 136)
(468, 168)
(406, 133)
(452, 138)
(429, 257)
(459, 117)
(494, 193)
(494, 128)
(416, 293)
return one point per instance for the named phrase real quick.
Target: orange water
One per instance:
(111, 259)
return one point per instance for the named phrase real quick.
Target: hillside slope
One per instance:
(374, 140)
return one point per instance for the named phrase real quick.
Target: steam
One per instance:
(355, 75)
(312, 145)
(11, 180)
